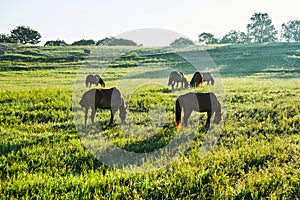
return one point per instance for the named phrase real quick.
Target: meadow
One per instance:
(256, 155)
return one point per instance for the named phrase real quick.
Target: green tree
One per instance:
(6, 39)
(112, 41)
(290, 31)
(261, 28)
(207, 38)
(182, 42)
(235, 37)
(83, 42)
(25, 35)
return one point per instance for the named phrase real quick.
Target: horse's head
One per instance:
(101, 82)
(192, 83)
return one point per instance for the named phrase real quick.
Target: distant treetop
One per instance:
(25, 35)
(182, 42)
(207, 38)
(112, 41)
(261, 28)
(83, 42)
(290, 31)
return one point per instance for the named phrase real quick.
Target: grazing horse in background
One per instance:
(196, 80)
(176, 77)
(199, 102)
(207, 77)
(93, 79)
(105, 99)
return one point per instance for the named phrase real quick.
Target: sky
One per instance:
(72, 20)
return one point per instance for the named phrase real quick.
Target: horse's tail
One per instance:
(177, 114)
(170, 80)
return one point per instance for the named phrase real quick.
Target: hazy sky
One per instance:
(73, 20)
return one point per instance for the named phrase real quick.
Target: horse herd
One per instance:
(192, 101)
(198, 79)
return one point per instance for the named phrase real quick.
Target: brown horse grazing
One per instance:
(176, 77)
(207, 77)
(93, 79)
(200, 102)
(105, 99)
(196, 80)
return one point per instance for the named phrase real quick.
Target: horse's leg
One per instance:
(85, 116)
(93, 114)
(186, 116)
(177, 84)
(173, 83)
(209, 114)
(113, 111)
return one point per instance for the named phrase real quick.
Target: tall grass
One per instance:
(42, 157)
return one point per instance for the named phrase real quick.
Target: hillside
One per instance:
(264, 60)
(254, 153)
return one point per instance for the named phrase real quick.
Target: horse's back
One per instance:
(188, 101)
(110, 97)
(208, 100)
(101, 98)
(201, 102)
(89, 77)
(207, 76)
(110, 91)
(176, 75)
(198, 76)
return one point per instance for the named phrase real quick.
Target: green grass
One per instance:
(256, 156)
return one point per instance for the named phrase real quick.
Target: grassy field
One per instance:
(257, 154)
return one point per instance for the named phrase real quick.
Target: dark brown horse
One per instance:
(93, 79)
(106, 99)
(176, 77)
(197, 80)
(207, 77)
(199, 102)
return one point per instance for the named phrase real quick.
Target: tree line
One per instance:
(259, 30)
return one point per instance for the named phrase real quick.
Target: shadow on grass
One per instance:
(75, 160)
(153, 143)
(8, 148)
